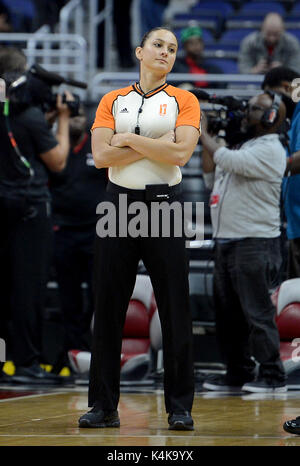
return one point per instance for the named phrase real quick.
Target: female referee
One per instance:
(143, 133)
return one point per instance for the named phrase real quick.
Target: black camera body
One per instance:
(35, 88)
(224, 115)
(227, 114)
(72, 104)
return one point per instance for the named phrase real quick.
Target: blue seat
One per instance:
(231, 40)
(227, 65)
(223, 7)
(22, 14)
(209, 19)
(295, 32)
(257, 10)
(236, 34)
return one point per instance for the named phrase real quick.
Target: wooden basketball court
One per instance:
(49, 416)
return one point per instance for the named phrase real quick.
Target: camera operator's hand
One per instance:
(62, 107)
(261, 67)
(275, 64)
(56, 158)
(51, 117)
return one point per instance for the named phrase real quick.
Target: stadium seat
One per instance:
(257, 10)
(208, 14)
(231, 40)
(222, 6)
(227, 65)
(287, 302)
(294, 32)
(22, 14)
(135, 354)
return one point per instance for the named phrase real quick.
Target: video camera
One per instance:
(223, 113)
(35, 88)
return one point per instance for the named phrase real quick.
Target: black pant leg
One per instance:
(30, 244)
(232, 327)
(166, 260)
(253, 263)
(115, 268)
(293, 265)
(122, 22)
(68, 266)
(6, 230)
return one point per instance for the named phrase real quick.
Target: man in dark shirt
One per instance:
(25, 158)
(76, 191)
(193, 60)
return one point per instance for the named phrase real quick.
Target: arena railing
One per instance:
(65, 54)
(72, 11)
(72, 19)
(236, 85)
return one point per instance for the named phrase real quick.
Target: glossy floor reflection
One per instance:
(49, 417)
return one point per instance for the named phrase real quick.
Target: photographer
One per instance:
(76, 192)
(245, 216)
(28, 150)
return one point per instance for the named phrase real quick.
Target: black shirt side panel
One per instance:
(33, 137)
(78, 189)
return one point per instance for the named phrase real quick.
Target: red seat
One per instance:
(135, 353)
(286, 299)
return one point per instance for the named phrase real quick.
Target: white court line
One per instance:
(148, 436)
(25, 397)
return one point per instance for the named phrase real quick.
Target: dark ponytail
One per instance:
(147, 34)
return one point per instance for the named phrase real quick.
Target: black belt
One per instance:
(152, 192)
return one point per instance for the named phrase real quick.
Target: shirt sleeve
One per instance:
(245, 56)
(262, 160)
(189, 111)
(104, 117)
(42, 136)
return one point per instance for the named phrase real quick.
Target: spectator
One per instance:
(47, 12)
(26, 224)
(193, 60)
(246, 219)
(76, 191)
(152, 14)
(280, 80)
(263, 50)
(122, 26)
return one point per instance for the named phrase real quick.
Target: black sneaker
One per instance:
(99, 418)
(181, 421)
(35, 375)
(265, 385)
(223, 383)
(292, 426)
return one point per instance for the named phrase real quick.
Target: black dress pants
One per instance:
(116, 263)
(73, 258)
(24, 254)
(245, 315)
(293, 266)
